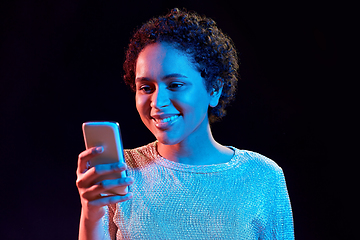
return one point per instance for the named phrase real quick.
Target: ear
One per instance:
(215, 94)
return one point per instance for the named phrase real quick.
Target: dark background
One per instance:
(61, 65)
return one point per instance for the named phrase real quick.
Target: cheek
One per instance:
(142, 105)
(194, 105)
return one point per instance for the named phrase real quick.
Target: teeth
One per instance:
(168, 119)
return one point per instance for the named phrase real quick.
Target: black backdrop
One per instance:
(61, 65)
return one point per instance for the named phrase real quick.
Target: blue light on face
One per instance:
(171, 96)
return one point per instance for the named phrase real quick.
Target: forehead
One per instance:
(160, 59)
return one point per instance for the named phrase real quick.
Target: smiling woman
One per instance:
(212, 52)
(185, 185)
(173, 100)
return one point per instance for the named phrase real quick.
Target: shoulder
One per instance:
(140, 156)
(261, 172)
(258, 163)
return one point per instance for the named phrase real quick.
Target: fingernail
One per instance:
(99, 149)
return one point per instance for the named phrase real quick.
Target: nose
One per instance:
(159, 99)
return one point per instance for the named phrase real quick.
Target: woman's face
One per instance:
(171, 97)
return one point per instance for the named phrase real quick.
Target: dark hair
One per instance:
(212, 52)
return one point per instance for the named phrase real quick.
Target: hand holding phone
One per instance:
(106, 135)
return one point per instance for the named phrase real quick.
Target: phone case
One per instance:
(107, 135)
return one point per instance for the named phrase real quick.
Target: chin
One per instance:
(166, 140)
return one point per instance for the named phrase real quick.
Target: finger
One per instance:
(90, 176)
(94, 191)
(113, 183)
(103, 201)
(86, 156)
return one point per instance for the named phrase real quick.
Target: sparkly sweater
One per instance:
(245, 198)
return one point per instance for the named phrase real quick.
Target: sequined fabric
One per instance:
(245, 198)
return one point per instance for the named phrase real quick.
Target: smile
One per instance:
(168, 119)
(164, 123)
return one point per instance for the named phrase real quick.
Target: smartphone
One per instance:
(107, 135)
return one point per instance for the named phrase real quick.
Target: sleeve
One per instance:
(108, 224)
(280, 223)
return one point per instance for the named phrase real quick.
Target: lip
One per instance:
(164, 121)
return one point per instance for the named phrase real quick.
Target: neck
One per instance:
(198, 149)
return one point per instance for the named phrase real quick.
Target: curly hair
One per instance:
(211, 51)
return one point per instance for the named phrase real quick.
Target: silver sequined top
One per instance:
(245, 198)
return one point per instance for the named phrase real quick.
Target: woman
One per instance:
(184, 185)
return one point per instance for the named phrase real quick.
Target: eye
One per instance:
(145, 88)
(175, 85)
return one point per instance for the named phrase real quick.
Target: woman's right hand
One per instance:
(90, 191)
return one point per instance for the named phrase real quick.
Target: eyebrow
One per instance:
(172, 75)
